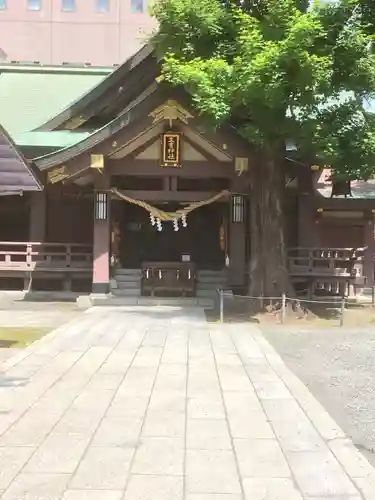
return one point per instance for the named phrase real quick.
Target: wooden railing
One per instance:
(34, 256)
(328, 270)
(168, 277)
(326, 261)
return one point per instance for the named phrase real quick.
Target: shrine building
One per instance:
(111, 184)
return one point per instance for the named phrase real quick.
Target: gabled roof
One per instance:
(16, 175)
(121, 85)
(31, 94)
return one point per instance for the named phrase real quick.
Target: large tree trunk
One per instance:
(268, 273)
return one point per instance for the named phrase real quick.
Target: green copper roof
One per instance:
(55, 139)
(32, 94)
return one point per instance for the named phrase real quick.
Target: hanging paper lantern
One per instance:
(175, 224)
(184, 221)
(158, 225)
(152, 220)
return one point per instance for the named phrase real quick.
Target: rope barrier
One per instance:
(338, 301)
(168, 216)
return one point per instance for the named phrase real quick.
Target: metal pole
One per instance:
(283, 306)
(221, 293)
(342, 311)
(373, 296)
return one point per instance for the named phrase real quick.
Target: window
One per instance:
(34, 4)
(136, 5)
(68, 5)
(102, 5)
(3, 4)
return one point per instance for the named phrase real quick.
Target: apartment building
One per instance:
(99, 32)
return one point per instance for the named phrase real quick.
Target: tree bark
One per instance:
(268, 273)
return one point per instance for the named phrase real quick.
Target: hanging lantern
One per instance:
(184, 221)
(101, 211)
(175, 225)
(238, 208)
(158, 225)
(152, 220)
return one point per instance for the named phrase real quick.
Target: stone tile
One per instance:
(78, 422)
(105, 381)
(175, 355)
(128, 407)
(270, 489)
(168, 401)
(205, 408)
(138, 381)
(164, 424)
(30, 430)
(272, 390)
(233, 378)
(37, 487)
(92, 399)
(147, 356)
(159, 456)
(103, 468)
(246, 416)
(318, 473)
(211, 471)
(354, 463)
(206, 434)
(297, 435)
(261, 458)
(242, 402)
(212, 496)
(283, 409)
(341, 497)
(118, 431)
(154, 488)
(11, 462)
(250, 426)
(58, 454)
(366, 486)
(93, 495)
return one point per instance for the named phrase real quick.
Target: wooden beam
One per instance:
(170, 196)
(189, 169)
(343, 204)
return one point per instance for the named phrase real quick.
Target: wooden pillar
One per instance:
(369, 242)
(237, 244)
(38, 216)
(306, 210)
(101, 248)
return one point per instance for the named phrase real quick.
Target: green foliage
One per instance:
(278, 69)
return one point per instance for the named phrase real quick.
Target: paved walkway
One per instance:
(158, 405)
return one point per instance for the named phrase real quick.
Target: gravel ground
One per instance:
(338, 367)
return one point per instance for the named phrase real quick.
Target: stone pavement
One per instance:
(156, 404)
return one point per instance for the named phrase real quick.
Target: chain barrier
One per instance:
(284, 300)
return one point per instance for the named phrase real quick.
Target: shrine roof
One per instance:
(16, 174)
(109, 96)
(31, 94)
(57, 139)
(362, 190)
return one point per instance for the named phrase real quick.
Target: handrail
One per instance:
(32, 255)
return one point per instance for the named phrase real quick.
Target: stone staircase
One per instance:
(128, 290)
(208, 282)
(128, 283)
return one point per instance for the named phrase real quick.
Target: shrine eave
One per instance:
(105, 92)
(16, 174)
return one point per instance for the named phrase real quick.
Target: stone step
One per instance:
(128, 272)
(115, 300)
(128, 286)
(127, 292)
(127, 279)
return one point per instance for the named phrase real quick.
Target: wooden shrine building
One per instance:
(125, 191)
